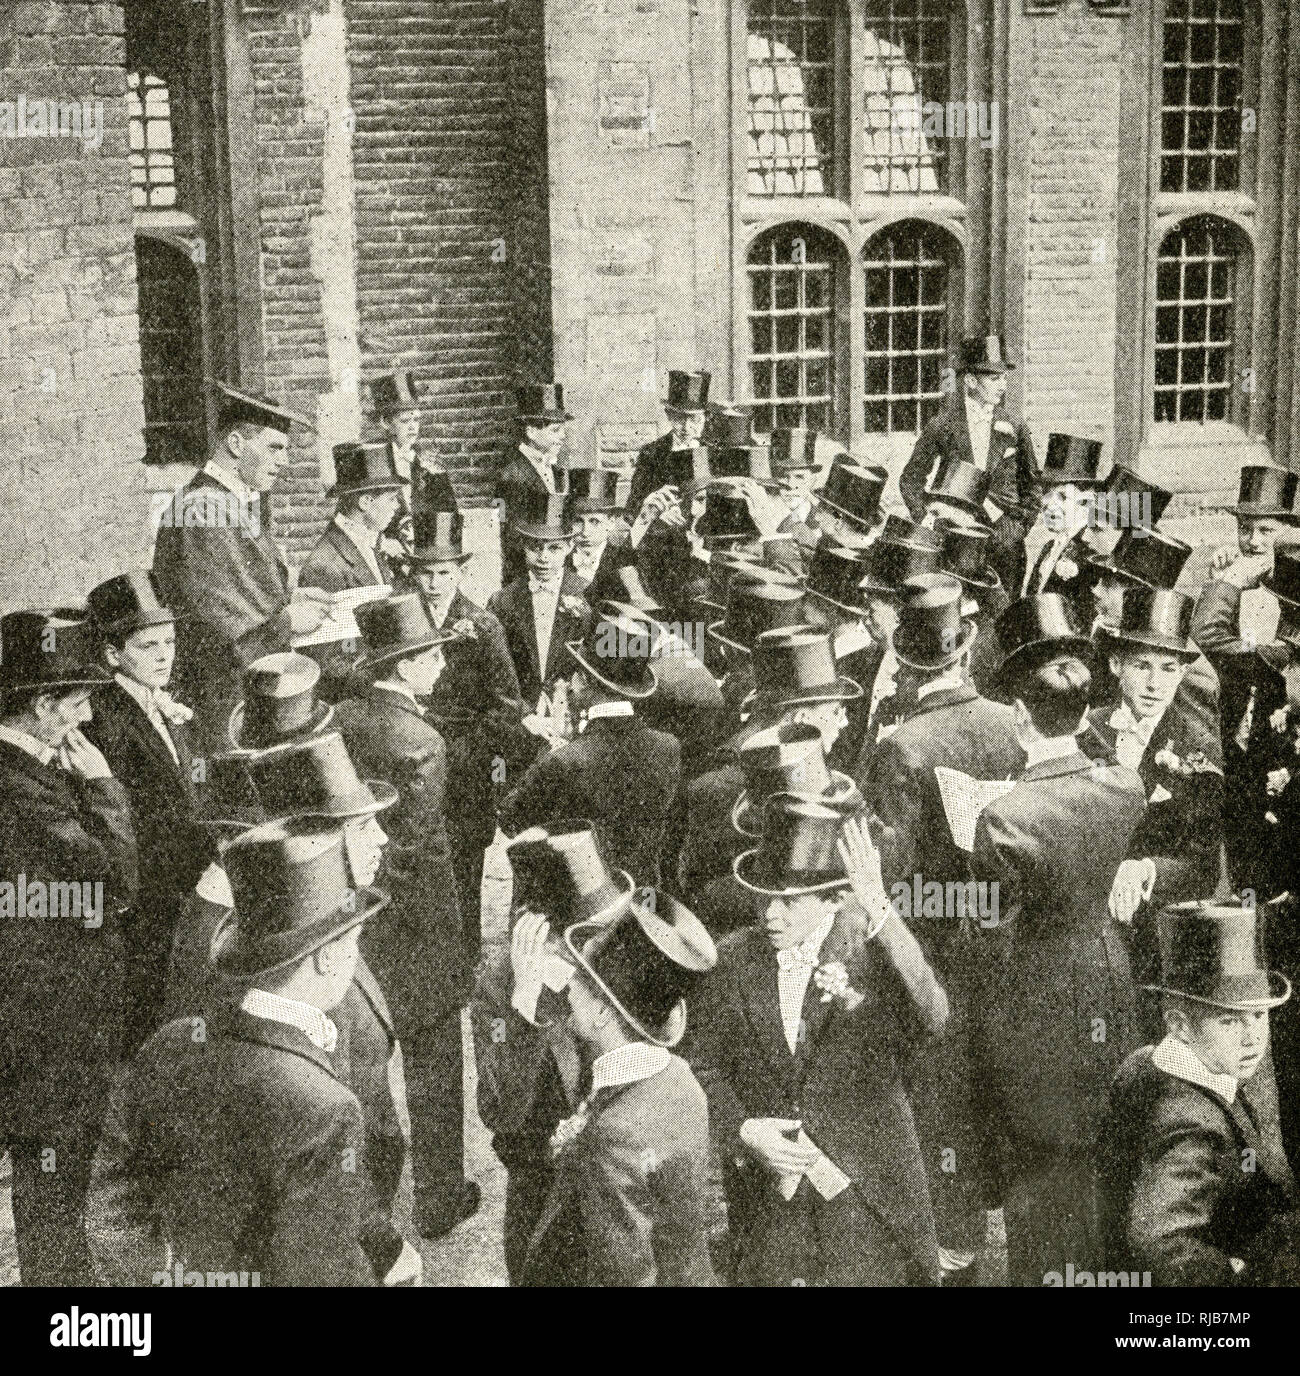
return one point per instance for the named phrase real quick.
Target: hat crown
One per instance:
(1214, 951)
(538, 398)
(1071, 458)
(792, 660)
(930, 629)
(854, 491)
(279, 698)
(620, 648)
(1158, 613)
(835, 572)
(395, 623)
(978, 352)
(895, 560)
(394, 392)
(49, 649)
(437, 532)
(965, 551)
(560, 868)
(592, 489)
(1123, 482)
(1150, 556)
(1040, 619)
(795, 448)
(544, 515)
(789, 758)
(1266, 485)
(130, 599)
(955, 480)
(1284, 581)
(799, 849)
(314, 775)
(361, 466)
(757, 606)
(728, 427)
(688, 391)
(254, 408)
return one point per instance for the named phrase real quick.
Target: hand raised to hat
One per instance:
(1246, 571)
(1223, 556)
(862, 865)
(78, 756)
(768, 509)
(664, 504)
(528, 961)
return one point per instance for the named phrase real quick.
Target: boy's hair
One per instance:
(1055, 694)
(1195, 1013)
(18, 702)
(349, 504)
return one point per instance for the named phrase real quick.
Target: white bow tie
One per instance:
(535, 585)
(796, 958)
(1124, 722)
(167, 707)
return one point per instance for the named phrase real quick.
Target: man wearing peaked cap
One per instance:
(418, 950)
(219, 570)
(948, 726)
(246, 1125)
(64, 818)
(530, 469)
(824, 1180)
(664, 462)
(976, 428)
(628, 1205)
(618, 772)
(1184, 1113)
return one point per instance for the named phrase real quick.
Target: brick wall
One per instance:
(73, 508)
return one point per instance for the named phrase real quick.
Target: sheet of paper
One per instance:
(964, 798)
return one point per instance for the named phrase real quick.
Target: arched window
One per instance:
(171, 351)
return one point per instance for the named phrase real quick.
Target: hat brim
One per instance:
(533, 532)
(964, 502)
(1267, 583)
(1151, 641)
(138, 621)
(668, 1033)
(439, 554)
(1260, 510)
(90, 679)
(649, 679)
(1280, 655)
(989, 583)
(848, 798)
(367, 661)
(968, 631)
(374, 796)
(856, 609)
(250, 960)
(743, 865)
(987, 368)
(377, 485)
(547, 417)
(844, 689)
(1276, 980)
(714, 632)
(1015, 662)
(856, 517)
(322, 715)
(690, 409)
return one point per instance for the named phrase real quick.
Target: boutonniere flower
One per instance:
(1166, 759)
(466, 629)
(1008, 451)
(569, 1130)
(1004, 427)
(575, 606)
(1066, 567)
(1278, 720)
(1278, 779)
(833, 980)
(1195, 762)
(175, 712)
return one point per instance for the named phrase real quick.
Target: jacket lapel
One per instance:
(763, 1000)
(816, 1010)
(959, 431)
(566, 625)
(349, 554)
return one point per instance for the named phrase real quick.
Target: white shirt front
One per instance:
(1132, 734)
(364, 539)
(795, 968)
(627, 1064)
(979, 423)
(144, 698)
(306, 1017)
(38, 750)
(851, 637)
(1176, 1059)
(546, 602)
(886, 676)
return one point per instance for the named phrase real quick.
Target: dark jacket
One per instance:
(673, 576)
(1176, 1200)
(62, 990)
(513, 608)
(230, 1149)
(657, 465)
(604, 585)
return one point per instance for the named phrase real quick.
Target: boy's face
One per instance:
(259, 455)
(829, 718)
(545, 558)
(58, 716)
(789, 920)
(1148, 679)
(594, 527)
(438, 582)
(1257, 535)
(986, 388)
(377, 509)
(548, 438)
(422, 672)
(147, 656)
(403, 427)
(338, 961)
(1227, 1042)
(688, 426)
(882, 617)
(1108, 599)
(364, 841)
(585, 1007)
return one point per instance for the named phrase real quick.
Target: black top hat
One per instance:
(1071, 459)
(41, 649)
(853, 492)
(701, 474)
(1265, 490)
(646, 961)
(931, 633)
(835, 575)
(128, 603)
(616, 653)
(1130, 501)
(908, 552)
(293, 894)
(965, 554)
(755, 606)
(793, 450)
(728, 427)
(238, 408)
(796, 664)
(559, 870)
(798, 853)
(961, 483)
(437, 536)
(364, 468)
(544, 516)
(1213, 952)
(687, 391)
(1036, 628)
(394, 392)
(1157, 618)
(723, 566)
(1283, 580)
(726, 515)
(788, 758)
(983, 354)
(755, 462)
(279, 703)
(398, 627)
(592, 490)
(1145, 558)
(316, 778)
(543, 401)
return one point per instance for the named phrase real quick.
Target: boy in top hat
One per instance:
(1056, 1009)
(794, 466)
(665, 462)
(618, 772)
(65, 822)
(628, 1203)
(529, 1068)
(976, 427)
(600, 547)
(219, 570)
(143, 735)
(418, 951)
(948, 724)
(1265, 509)
(802, 1032)
(221, 1153)
(1186, 1113)
(530, 471)
(1069, 483)
(396, 406)
(543, 608)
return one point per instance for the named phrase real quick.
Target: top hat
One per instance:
(793, 450)
(907, 551)
(853, 492)
(1157, 618)
(293, 894)
(544, 516)
(230, 799)
(835, 575)
(646, 961)
(1213, 952)
(543, 401)
(396, 627)
(559, 869)
(1071, 459)
(726, 515)
(687, 391)
(1130, 501)
(743, 462)
(315, 778)
(798, 853)
(364, 468)
(437, 536)
(42, 649)
(728, 427)
(1038, 627)
(128, 603)
(239, 408)
(592, 490)
(279, 702)
(983, 354)
(394, 392)
(725, 564)
(796, 664)
(1265, 490)
(931, 633)
(961, 483)
(1283, 580)
(1144, 558)
(755, 606)
(965, 555)
(788, 758)
(616, 653)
